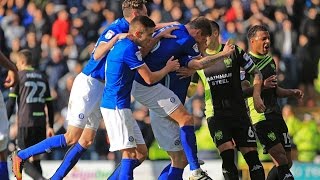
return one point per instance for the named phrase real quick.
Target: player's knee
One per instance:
(142, 152)
(85, 143)
(70, 138)
(187, 120)
(281, 158)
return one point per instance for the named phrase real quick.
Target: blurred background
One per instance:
(61, 35)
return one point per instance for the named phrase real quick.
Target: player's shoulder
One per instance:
(118, 26)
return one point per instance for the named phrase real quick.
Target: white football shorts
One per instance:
(4, 125)
(157, 98)
(123, 130)
(84, 102)
(166, 132)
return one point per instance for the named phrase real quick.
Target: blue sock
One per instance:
(127, 166)
(46, 145)
(189, 144)
(175, 173)
(164, 173)
(70, 159)
(116, 171)
(4, 171)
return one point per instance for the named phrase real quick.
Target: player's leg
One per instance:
(220, 131)
(26, 138)
(124, 135)
(165, 103)
(245, 138)
(251, 156)
(33, 168)
(167, 133)
(4, 128)
(3, 161)
(3, 141)
(141, 151)
(275, 144)
(83, 143)
(74, 153)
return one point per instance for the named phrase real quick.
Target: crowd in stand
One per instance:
(61, 35)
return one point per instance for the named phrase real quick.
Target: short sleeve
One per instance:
(133, 57)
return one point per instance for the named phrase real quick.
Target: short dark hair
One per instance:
(144, 21)
(203, 24)
(254, 29)
(215, 26)
(27, 54)
(129, 5)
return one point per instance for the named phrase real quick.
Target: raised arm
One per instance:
(164, 34)
(210, 60)
(104, 47)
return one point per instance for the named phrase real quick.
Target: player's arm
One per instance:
(50, 111)
(210, 60)
(12, 100)
(270, 82)
(150, 45)
(12, 77)
(297, 93)
(153, 77)
(161, 25)
(255, 90)
(192, 89)
(104, 46)
(257, 84)
(11, 104)
(50, 114)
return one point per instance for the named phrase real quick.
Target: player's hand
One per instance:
(167, 33)
(297, 93)
(229, 48)
(185, 72)
(50, 132)
(11, 79)
(173, 65)
(270, 82)
(258, 104)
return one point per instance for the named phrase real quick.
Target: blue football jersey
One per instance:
(183, 47)
(96, 68)
(123, 59)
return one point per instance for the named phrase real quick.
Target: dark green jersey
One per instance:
(267, 67)
(31, 94)
(223, 85)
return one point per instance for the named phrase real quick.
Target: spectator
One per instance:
(60, 28)
(285, 42)
(35, 49)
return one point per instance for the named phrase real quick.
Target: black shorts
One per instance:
(28, 136)
(239, 129)
(272, 131)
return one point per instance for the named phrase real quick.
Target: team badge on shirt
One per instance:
(195, 47)
(227, 62)
(109, 34)
(139, 55)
